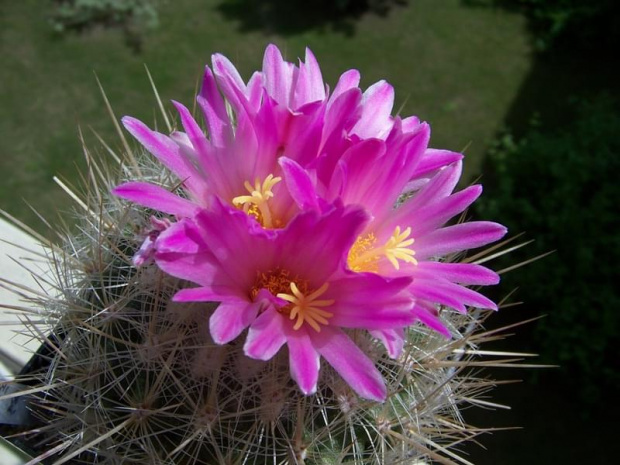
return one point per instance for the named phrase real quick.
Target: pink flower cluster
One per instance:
(287, 218)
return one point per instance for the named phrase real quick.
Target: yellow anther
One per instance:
(275, 281)
(256, 204)
(397, 248)
(363, 256)
(306, 308)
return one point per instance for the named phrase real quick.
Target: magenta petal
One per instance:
(195, 134)
(316, 245)
(169, 153)
(428, 218)
(238, 244)
(441, 185)
(392, 339)
(450, 294)
(403, 154)
(429, 290)
(211, 94)
(157, 198)
(194, 267)
(145, 253)
(377, 103)
(342, 112)
(266, 335)
(229, 78)
(411, 124)
(255, 89)
(304, 360)
(181, 237)
(182, 140)
(299, 184)
(367, 300)
(428, 318)
(195, 294)
(278, 75)
(309, 86)
(219, 129)
(181, 252)
(304, 135)
(356, 175)
(458, 238)
(434, 159)
(230, 318)
(462, 273)
(351, 363)
(208, 294)
(232, 86)
(348, 80)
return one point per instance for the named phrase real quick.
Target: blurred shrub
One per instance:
(133, 16)
(562, 188)
(377, 6)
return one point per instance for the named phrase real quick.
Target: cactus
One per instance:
(128, 375)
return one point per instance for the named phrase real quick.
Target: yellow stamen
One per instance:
(359, 259)
(363, 256)
(306, 308)
(304, 304)
(256, 204)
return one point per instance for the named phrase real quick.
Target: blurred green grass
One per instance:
(457, 67)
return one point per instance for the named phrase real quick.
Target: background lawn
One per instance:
(457, 67)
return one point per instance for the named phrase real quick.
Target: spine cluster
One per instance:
(130, 377)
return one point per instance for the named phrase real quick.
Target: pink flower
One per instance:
(288, 286)
(147, 251)
(286, 217)
(413, 239)
(282, 111)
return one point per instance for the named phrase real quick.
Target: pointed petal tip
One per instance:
(272, 48)
(475, 188)
(310, 58)
(215, 58)
(493, 307)
(129, 122)
(492, 278)
(377, 393)
(308, 391)
(500, 230)
(178, 105)
(272, 52)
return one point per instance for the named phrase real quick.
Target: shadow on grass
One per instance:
(556, 79)
(561, 24)
(575, 64)
(286, 17)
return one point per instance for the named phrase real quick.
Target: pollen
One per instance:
(256, 204)
(359, 259)
(304, 305)
(365, 256)
(275, 281)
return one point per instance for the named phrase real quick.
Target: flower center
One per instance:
(364, 256)
(304, 304)
(306, 308)
(257, 203)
